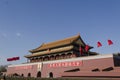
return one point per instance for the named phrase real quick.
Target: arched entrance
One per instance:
(51, 75)
(39, 74)
(22, 75)
(29, 74)
(15, 74)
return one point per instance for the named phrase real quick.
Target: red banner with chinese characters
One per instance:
(65, 64)
(23, 67)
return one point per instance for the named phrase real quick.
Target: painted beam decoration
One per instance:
(65, 64)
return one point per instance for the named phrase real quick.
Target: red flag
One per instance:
(110, 42)
(81, 50)
(13, 58)
(99, 44)
(18, 58)
(87, 47)
(10, 59)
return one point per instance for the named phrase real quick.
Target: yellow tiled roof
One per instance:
(51, 51)
(58, 43)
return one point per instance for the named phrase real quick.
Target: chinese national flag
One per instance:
(110, 42)
(87, 47)
(81, 50)
(99, 44)
(13, 58)
(16, 58)
(9, 59)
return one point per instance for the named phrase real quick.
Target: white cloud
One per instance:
(18, 34)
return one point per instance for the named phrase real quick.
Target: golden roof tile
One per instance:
(59, 43)
(50, 51)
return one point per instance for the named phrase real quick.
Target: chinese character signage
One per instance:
(23, 67)
(66, 64)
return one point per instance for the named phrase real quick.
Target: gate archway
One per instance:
(39, 74)
(51, 75)
(29, 74)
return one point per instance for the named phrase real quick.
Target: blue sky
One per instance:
(26, 24)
